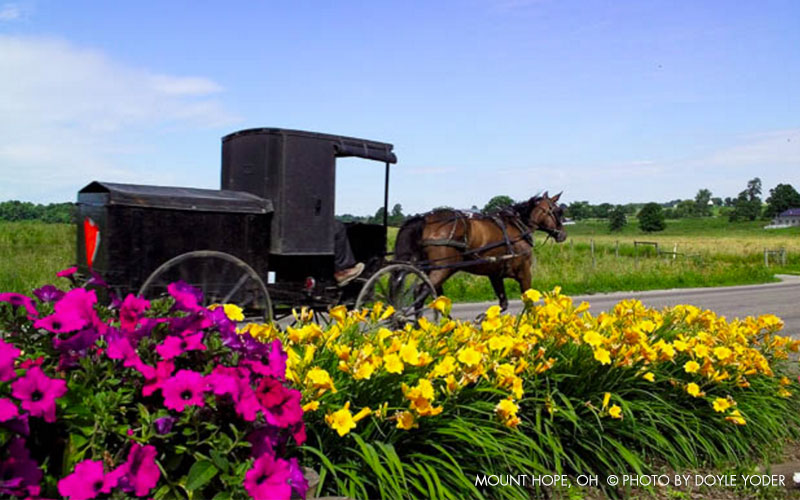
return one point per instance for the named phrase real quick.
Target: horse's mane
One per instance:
(523, 209)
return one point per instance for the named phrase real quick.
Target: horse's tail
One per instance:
(408, 246)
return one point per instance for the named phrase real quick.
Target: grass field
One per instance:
(714, 252)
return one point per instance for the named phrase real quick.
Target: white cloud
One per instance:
(70, 113)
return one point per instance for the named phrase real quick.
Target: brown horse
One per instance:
(499, 245)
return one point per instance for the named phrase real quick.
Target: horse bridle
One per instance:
(551, 233)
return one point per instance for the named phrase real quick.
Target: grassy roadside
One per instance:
(714, 253)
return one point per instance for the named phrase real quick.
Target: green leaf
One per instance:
(200, 473)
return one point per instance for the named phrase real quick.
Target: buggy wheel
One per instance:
(221, 277)
(403, 287)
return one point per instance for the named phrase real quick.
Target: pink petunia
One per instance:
(281, 404)
(88, 480)
(8, 355)
(48, 293)
(224, 380)
(120, 348)
(173, 346)
(141, 472)
(156, 377)
(8, 410)
(67, 272)
(131, 312)
(277, 360)
(84, 483)
(18, 300)
(185, 388)
(73, 312)
(38, 393)
(269, 478)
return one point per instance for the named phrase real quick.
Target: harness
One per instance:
(526, 235)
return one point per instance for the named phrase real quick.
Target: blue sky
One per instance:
(619, 101)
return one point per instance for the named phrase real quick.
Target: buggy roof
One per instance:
(183, 198)
(343, 146)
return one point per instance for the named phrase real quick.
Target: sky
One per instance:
(609, 101)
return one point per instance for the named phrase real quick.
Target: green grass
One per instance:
(32, 252)
(719, 253)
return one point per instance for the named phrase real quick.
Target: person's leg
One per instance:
(343, 254)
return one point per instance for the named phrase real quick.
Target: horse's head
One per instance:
(545, 214)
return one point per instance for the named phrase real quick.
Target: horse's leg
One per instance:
(499, 290)
(438, 277)
(523, 276)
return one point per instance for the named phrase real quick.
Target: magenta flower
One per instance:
(48, 293)
(85, 482)
(156, 377)
(131, 312)
(8, 355)
(38, 393)
(187, 298)
(19, 474)
(74, 311)
(269, 478)
(18, 300)
(141, 472)
(277, 360)
(184, 389)
(224, 380)
(120, 348)
(67, 272)
(173, 346)
(8, 410)
(297, 479)
(281, 404)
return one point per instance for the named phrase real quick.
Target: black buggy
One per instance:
(264, 241)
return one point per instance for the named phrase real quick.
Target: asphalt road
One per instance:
(781, 299)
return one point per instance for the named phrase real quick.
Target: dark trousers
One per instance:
(344, 258)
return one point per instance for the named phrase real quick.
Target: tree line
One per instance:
(16, 210)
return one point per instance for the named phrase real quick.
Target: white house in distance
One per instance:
(787, 218)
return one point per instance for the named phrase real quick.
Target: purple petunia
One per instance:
(64, 273)
(8, 355)
(269, 478)
(48, 293)
(74, 311)
(85, 482)
(38, 393)
(164, 425)
(156, 376)
(297, 479)
(187, 298)
(19, 474)
(184, 389)
(18, 300)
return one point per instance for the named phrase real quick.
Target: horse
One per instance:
(499, 245)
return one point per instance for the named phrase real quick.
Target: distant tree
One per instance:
(617, 219)
(782, 197)
(747, 206)
(729, 201)
(498, 203)
(378, 217)
(579, 210)
(651, 218)
(716, 201)
(686, 208)
(474, 208)
(701, 203)
(602, 211)
(396, 215)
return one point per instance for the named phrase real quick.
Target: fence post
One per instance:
(783, 256)
(766, 258)
(593, 259)
(616, 250)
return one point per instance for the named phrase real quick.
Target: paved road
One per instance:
(781, 299)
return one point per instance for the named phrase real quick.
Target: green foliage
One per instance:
(617, 219)
(497, 203)
(15, 210)
(781, 197)
(651, 218)
(701, 203)
(579, 210)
